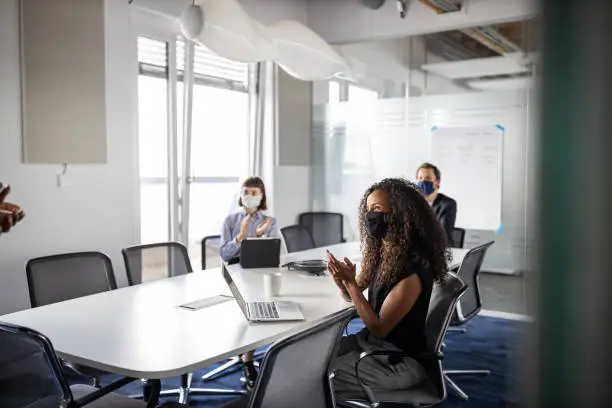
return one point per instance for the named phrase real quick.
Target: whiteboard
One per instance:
(470, 160)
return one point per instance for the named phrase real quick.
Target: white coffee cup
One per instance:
(272, 283)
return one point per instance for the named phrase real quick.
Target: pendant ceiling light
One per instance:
(226, 29)
(302, 53)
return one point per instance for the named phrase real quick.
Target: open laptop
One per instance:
(260, 253)
(272, 311)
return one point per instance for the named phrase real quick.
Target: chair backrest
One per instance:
(327, 228)
(30, 372)
(213, 241)
(469, 271)
(156, 261)
(444, 298)
(458, 237)
(62, 277)
(296, 370)
(297, 238)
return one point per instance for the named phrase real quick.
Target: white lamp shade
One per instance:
(192, 21)
(302, 53)
(230, 33)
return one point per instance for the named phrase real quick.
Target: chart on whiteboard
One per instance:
(470, 160)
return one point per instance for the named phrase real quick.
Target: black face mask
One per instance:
(377, 224)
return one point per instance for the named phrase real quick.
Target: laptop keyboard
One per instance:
(263, 310)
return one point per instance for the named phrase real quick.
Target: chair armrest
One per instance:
(355, 316)
(430, 355)
(366, 388)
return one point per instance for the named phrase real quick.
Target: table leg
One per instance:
(151, 390)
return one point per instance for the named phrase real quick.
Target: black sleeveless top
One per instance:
(409, 334)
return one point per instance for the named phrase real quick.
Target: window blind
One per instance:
(153, 57)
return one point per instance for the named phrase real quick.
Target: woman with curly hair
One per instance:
(404, 253)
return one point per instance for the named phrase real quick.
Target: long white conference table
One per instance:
(141, 332)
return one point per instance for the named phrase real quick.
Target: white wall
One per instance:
(99, 211)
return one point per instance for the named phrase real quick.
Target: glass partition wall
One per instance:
(382, 125)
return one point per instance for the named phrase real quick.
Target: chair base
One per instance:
(456, 389)
(229, 367)
(353, 404)
(456, 330)
(185, 391)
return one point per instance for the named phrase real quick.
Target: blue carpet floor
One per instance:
(489, 343)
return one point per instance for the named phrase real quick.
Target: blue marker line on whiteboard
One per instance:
(500, 229)
(500, 127)
(433, 129)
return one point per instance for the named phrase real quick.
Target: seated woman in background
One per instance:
(404, 252)
(249, 222)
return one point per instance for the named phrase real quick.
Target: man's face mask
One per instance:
(428, 187)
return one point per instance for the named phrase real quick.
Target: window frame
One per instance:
(152, 28)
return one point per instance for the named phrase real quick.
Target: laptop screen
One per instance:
(234, 289)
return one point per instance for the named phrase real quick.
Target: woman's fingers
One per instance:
(6, 224)
(4, 192)
(348, 262)
(332, 258)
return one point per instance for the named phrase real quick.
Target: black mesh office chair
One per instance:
(469, 305)
(62, 277)
(327, 228)
(458, 237)
(287, 379)
(155, 261)
(444, 297)
(297, 238)
(31, 376)
(158, 261)
(210, 242)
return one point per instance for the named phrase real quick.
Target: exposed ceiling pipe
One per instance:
(486, 35)
(450, 48)
(491, 38)
(441, 6)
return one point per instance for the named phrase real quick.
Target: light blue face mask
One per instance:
(427, 187)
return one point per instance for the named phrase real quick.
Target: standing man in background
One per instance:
(428, 179)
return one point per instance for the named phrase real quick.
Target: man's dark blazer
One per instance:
(445, 209)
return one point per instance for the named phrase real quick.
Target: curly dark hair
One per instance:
(415, 239)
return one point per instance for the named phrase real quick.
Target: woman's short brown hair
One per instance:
(255, 182)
